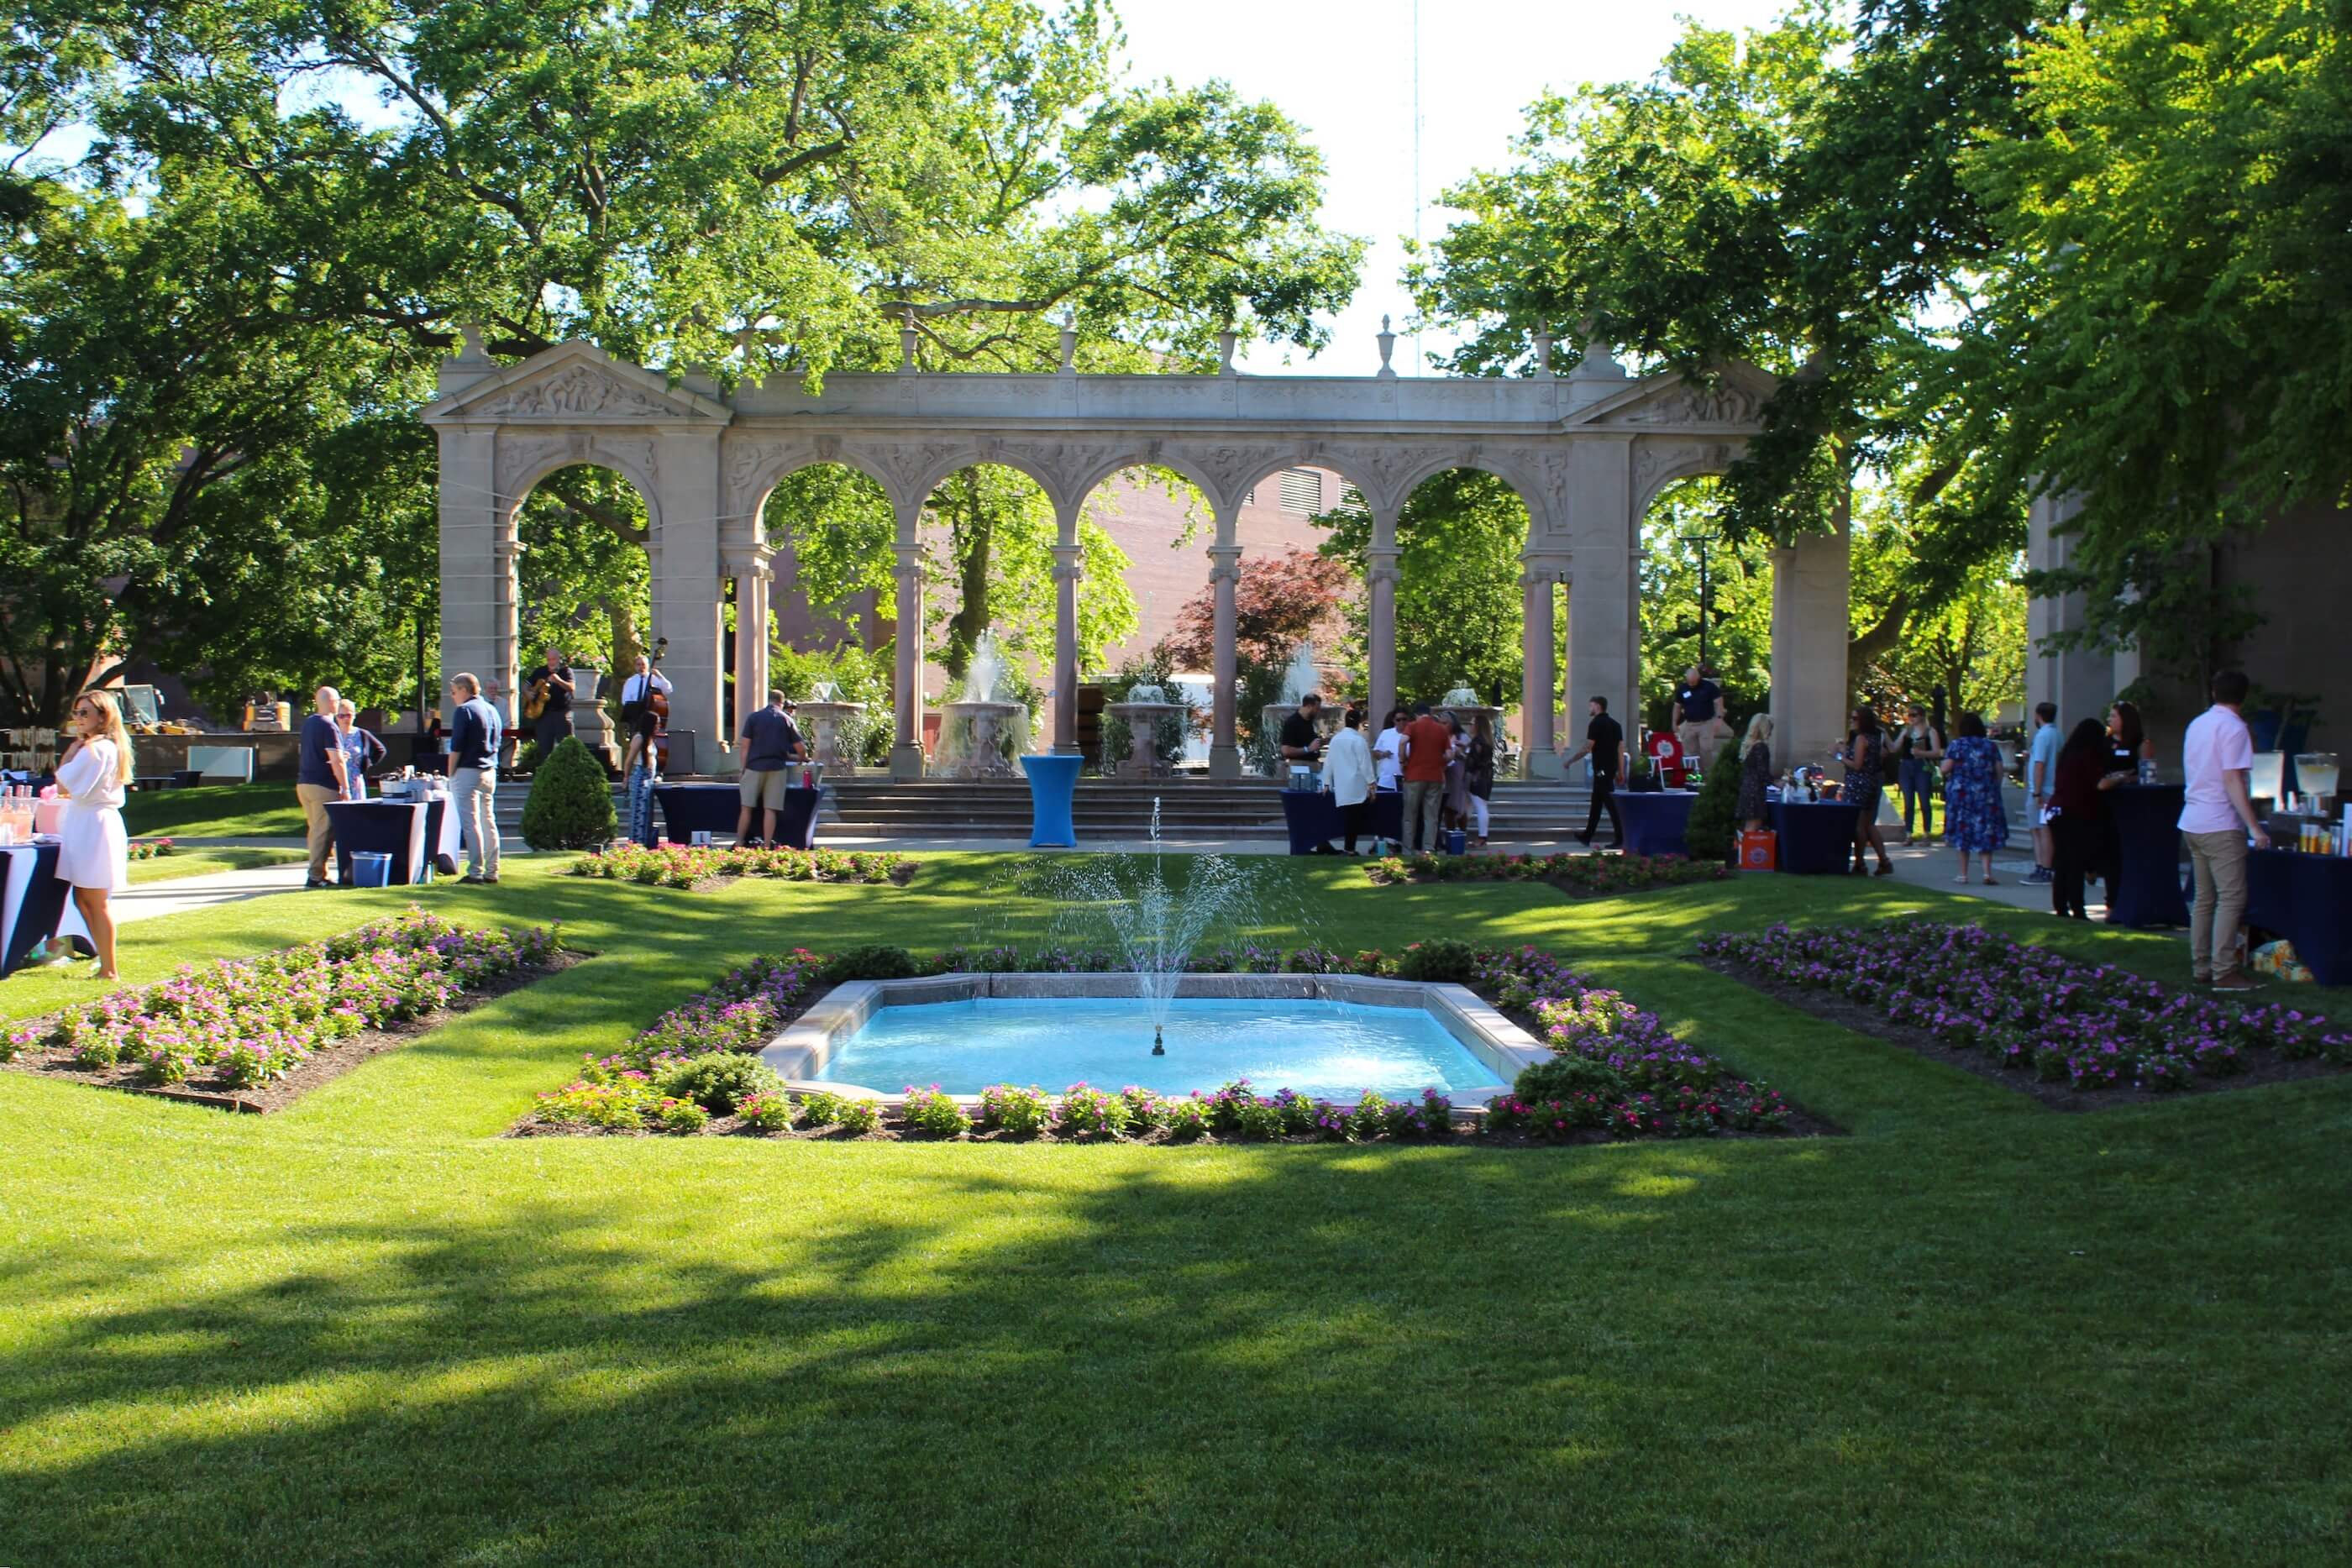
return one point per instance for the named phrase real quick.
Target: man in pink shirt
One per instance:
(2215, 821)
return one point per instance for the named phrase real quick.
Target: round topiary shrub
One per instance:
(1565, 1077)
(1442, 960)
(570, 804)
(721, 1080)
(873, 963)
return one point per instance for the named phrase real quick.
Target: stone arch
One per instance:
(524, 463)
(1658, 465)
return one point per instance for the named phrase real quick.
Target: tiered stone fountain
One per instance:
(835, 729)
(1143, 707)
(1299, 679)
(1463, 703)
(975, 727)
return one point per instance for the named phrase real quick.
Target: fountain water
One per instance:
(1155, 927)
(975, 728)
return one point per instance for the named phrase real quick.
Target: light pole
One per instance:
(1700, 542)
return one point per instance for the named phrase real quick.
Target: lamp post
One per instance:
(1700, 542)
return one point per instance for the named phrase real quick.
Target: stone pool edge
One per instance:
(801, 1050)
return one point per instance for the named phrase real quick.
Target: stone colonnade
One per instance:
(1587, 451)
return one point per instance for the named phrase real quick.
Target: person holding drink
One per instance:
(94, 852)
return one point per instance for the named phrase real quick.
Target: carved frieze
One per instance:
(576, 392)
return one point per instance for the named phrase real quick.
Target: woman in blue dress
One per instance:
(1973, 820)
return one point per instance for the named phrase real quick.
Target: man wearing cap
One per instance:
(771, 743)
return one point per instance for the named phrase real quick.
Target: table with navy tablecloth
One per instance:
(1814, 837)
(34, 901)
(1313, 818)
(690, 809)
(2307, 899)
(1656, 819)
(409, 831)
(2144, 884)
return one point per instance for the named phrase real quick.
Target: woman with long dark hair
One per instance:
(1865, 779)
(1478, 767)
(2080, 828)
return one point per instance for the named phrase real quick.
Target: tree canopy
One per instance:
(286, 212)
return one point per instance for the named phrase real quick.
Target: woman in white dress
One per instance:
(94, 857)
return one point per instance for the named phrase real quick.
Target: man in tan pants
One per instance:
(319, 779)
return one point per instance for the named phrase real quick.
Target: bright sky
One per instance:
(1344, 68)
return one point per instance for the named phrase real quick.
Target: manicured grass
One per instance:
(214, 811)
(367, 1330)
(204, 859)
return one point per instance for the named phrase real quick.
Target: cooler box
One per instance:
(1457, 842)
(1759, 851)
(371, 868)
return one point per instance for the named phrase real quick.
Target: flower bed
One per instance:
(1596, 874)
(2076, 1033)
(149, 849)
(255, 1033)
(680, 865)
(1617, 1073)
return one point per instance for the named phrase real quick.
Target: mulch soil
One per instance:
(325, 1066)
(2255, 1067)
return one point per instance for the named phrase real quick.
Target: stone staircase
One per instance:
(874, 806)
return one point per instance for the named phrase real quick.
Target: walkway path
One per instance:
(154, 900)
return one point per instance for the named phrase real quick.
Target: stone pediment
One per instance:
(1735, 399)
(575, 383)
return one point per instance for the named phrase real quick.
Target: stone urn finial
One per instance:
(1388, 346)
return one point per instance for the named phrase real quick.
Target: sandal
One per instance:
(1885, 868)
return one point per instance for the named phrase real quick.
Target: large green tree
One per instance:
(2170, 327)
(753, 188)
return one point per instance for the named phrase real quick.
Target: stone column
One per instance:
(750, 573)
(1811, 582)
(1380, 577)
(1065, 647)
(1539, 681)
(2080, 681)
(689, 581)
(906, 750)
(477, 567)
(1603, 627)
(1225, 571)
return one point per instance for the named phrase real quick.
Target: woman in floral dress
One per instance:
(1973, 821)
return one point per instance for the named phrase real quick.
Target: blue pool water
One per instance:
(1332, 1051)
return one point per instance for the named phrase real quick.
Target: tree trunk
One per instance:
(970, 534)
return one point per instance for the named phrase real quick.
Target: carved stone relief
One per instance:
(576, 392)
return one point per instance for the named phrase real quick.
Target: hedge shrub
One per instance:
(571, 803)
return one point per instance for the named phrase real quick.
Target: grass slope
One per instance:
(367, 1331)
(214, 811)
(205, 858)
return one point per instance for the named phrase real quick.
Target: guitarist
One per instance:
(547, 703)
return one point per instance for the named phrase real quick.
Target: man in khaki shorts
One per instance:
(1699, 726)
(771, 743)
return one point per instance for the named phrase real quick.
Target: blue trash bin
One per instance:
(371, 868)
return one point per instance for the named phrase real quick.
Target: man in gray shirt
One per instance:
(772, 743)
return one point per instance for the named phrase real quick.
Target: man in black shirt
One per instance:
(1300, 743)
(1605, 741)
(1698, 721)
(553, 685)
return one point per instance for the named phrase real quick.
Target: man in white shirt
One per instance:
(2215, 820)
(635, 689)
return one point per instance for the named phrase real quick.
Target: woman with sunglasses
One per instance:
(94, 854)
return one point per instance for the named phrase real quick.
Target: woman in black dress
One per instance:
(1865, 777)
(1755, 771)
(1478, 774)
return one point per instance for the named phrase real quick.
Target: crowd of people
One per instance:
(1439, 772)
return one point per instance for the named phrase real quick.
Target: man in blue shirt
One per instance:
(319, 779)
(2041, 784)
(473, 740)
(770, 744)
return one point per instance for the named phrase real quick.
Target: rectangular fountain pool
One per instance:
(1328, 1050)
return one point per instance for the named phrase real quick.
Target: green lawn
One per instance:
(204, 859)
(214, 811)
(368, 1330)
